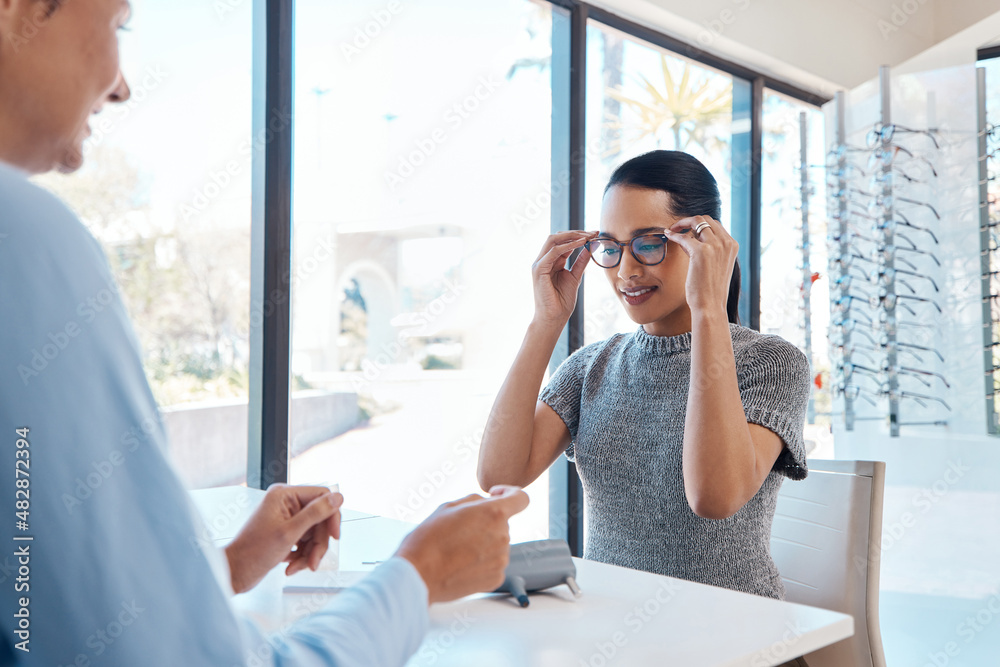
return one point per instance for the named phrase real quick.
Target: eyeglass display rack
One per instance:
(989, 220)
(851, 247)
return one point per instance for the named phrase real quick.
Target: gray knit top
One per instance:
(624, 401)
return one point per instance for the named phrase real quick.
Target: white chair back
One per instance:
(826, 542)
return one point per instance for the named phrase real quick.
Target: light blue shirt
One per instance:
(114, 573)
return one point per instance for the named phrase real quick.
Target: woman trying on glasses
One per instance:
(683, 430)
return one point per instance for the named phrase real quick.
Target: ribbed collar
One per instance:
(664, 345)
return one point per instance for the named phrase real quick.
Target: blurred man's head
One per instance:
(58, 65)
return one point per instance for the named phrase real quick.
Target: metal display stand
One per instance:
(888, 253)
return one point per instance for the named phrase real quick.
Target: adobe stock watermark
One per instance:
(970, 628)
(225, 516)
(222, 177)
(106, 635)
(225, 7)
(535, 206)
(714, 28)
(370, 30)
(922, 502)
(424, 147)
(321, 253)
(58, 341)
(434, 480)
(30, 26)
(100, 471)
(780, 650)
(438, 643)
(538, 206)
(106, 122)
(635, 620)
(900, 14)
(372, 367)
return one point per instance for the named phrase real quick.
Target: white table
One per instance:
(624, 617)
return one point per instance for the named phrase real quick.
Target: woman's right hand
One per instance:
(556, 287)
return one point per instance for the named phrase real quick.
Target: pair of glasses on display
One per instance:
(854, 392)
(846, 282)
(648, 249)
(847, 371)
(840, 151)
(882, 374)
(887, 253)
(992, 131)
(884, 342)
(848, 351)
(920, 374)
(848, 191)
(891, 301)
(844, 301)
(848, 327)
(852, 234)
(884, 157)
(883, 203)
(919, 398)
(839, 172)
(883, 179)
(882, 225)
(884, 276)
(883, 133)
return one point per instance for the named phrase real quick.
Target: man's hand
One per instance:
(464, 546)
(293, 524)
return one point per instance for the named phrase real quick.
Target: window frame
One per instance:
(270, 334)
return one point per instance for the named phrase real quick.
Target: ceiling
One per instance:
(822, 45)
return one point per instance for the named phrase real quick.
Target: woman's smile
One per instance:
(638, 295)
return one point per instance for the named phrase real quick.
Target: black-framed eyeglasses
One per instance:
(885, 133)
(648, 249)
(884, 157)
(883, 202)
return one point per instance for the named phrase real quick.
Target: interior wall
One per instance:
(958, 49)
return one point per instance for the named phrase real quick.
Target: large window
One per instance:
(794, 284)
(166, 190)
(425, 182)
(421, 198)
(642, 98)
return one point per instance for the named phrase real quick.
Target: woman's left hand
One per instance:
(711, 257)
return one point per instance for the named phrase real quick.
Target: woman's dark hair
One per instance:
(692, 190)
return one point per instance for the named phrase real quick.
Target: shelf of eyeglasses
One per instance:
(879, 206)
(877, 255)
(884, 137)
(884, 371)
(900, 337)
(877, 354)
(881, 158)
(878, 179)
(883, 278)
(854, 392)
(896, 327)
(884, 299)
(862, 246)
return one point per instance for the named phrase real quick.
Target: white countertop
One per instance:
(624, 617)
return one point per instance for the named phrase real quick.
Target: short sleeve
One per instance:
(564, 391)
(774, 382)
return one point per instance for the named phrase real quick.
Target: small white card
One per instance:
(323, 581)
